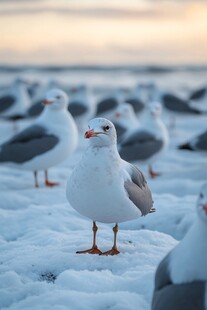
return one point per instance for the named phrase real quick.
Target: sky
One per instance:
(103, 32)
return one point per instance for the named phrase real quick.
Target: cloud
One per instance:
(90, 12)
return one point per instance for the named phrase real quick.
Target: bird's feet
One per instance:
(113, 251)
(154, 174)
(93, 250)
(51, 184)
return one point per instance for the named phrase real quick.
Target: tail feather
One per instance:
(185, 146)
(152, 210)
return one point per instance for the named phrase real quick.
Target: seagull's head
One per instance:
(124, 111)
(56, 99)
(202, 203)
(155, 109)
(101, 132)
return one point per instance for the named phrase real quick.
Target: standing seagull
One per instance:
(105, 188)
(147, 142)
(49, 141)
(181, 277)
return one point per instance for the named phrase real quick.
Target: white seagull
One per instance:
(49, 141)
(124, 120)
(148, 141)
(181, 277)
(105, 188)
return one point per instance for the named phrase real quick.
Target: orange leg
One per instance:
(114, 250)
(49, 183)
(152, 173)
(94, 249)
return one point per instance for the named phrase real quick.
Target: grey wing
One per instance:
(31, 142)
(137, 105)
(6, 102)
(189, 296)
(138, 190)
(176, 104)
(36, 109)
(198, 94)
(106, 105)
(140, 145)
(201, 143)
(168, 295)
(76, 108)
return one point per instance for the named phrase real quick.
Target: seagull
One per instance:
(181, 277)
(37, 107)
(15, 101)
(124, 120)
(81, 105)
(46, 143)
(107, 105)
(147, 142)
(173, 104)
(105, 188)
(198, 143)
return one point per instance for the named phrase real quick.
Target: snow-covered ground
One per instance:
(40, 232)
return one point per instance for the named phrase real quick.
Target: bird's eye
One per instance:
(58, 97)
(106, 128)
(201, 195)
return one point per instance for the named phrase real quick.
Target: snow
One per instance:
(40, 232)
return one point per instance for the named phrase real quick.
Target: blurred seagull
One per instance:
(107, 105)
(147, 142)
(15, 101)
(173, 104)
(124, 120)
(81, 105)
(49, 141)
(135, 99)
(181, 277)
(105, 188)
(198, 143)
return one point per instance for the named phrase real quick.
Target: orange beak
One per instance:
(117, 114)
(90, 133)
(205, 208)
(47, 102)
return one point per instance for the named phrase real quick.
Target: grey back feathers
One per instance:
(138, 191)
(36, 109)
(29, 143)
(202, 142)
(140, 145)
(171, 296)
(106, 105)
(137, 105)
(76, 109)
(198, 94)
(176, 104)
(6, 102)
